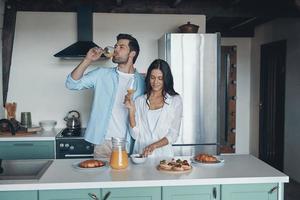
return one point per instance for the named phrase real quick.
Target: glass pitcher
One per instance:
(119, 157)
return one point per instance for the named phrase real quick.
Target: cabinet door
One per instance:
(250, 192)
(19, 195)
(78, 194)
(27, 150)
(145, 193)
(205, 192)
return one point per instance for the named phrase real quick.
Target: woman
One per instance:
(155, 117)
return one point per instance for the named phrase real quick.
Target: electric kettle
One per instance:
(73, 119)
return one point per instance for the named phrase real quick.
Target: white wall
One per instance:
(243, 92)
(37, 78)
(288, 29)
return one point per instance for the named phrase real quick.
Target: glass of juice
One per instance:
(131, 87)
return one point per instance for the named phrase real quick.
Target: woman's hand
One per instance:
(149, 150)
(129, 102)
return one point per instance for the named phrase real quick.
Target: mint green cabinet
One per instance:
(78, 194)
(143, 193)
(205, 192)
(19, 195)
(250, 192)
(10, 150)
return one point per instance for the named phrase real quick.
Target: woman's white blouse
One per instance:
(168, 125)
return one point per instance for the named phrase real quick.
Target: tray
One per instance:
(173, 171)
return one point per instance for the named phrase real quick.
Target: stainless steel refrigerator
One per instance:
(195, 63)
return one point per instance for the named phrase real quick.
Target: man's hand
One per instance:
(94, 54)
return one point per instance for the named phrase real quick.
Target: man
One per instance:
(109, 116)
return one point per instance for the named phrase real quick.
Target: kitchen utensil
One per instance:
(48, 125)
(10, 109)
(26, 119)
(188, 28)
(7, 125)
(73, 119)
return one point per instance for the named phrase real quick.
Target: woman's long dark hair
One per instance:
(168, 87)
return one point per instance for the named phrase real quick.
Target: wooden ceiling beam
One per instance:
(175, 3)
(210, 8)
(119, 2)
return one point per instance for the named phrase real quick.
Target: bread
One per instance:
(175, 165)
(165, 166)
(178, 167)
(186, 165)
(206, 158)
(91, 164)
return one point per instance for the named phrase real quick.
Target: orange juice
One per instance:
(130, 91)
(119, 159)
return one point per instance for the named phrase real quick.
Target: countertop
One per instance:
(38, 136)
(236, 169)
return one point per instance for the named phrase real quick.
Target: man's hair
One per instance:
(133, 44)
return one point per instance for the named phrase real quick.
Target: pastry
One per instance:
(206, 158)
(165, 165)
(178, 167)
(91, 164)
(186, 165)
(174, 165)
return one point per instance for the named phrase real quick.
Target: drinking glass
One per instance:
(108, 51)
(26, 119)
(131, 87)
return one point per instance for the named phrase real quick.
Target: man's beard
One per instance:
(120, 60)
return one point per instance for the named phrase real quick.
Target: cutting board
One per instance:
(18, 134)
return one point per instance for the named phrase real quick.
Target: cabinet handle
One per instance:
(24, 144)
(273, 189)
(106, 196)
(93, 196)
(215, 193)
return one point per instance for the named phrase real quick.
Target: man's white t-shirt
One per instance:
(118, 122)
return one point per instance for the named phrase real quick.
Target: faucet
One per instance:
(5, 123)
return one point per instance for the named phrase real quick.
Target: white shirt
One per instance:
(118, 122)
(168, 125)
(153, 117)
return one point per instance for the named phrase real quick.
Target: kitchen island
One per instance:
(239, 175)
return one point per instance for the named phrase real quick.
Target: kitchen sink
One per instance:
(23, 169)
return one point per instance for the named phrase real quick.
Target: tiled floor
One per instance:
(292, 190)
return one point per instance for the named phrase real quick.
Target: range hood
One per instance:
(84, 35)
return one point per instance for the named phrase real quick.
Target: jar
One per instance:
(119, 157)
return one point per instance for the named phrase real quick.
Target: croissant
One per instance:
(91, 163)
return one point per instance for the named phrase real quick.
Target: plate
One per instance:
(77, 167)
(173, 171)
(220, 161)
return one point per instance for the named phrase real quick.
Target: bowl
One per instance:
(138, 158)
(48, 125)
